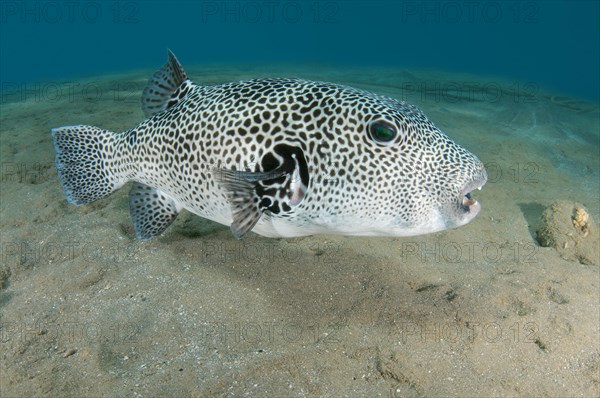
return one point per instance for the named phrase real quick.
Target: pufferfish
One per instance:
(281, 157)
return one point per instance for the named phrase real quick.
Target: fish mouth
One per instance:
(467, 206)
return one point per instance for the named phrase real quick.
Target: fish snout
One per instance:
(467, 207)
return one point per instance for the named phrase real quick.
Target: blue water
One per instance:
(553, 44)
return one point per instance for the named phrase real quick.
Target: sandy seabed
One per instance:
(483, 310)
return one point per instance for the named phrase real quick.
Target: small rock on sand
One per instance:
(568, 227)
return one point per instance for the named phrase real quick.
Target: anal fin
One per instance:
(152, 211)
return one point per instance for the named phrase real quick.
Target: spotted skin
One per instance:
(280, 157)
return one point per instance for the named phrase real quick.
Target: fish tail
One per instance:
(87, 162)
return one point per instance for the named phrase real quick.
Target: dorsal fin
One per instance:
(162, 87)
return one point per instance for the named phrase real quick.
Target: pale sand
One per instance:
(87, 310)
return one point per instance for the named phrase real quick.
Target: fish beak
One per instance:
(466, 204)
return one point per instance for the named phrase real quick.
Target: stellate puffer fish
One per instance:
(279, 157)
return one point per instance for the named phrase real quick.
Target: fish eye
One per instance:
(382, 132)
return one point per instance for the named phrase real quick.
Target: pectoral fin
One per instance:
(275, 192)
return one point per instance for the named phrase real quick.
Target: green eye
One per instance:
(382, 132)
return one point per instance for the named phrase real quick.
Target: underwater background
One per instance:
(552, 44)
(504, 306)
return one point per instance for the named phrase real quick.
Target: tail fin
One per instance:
(85, 161)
